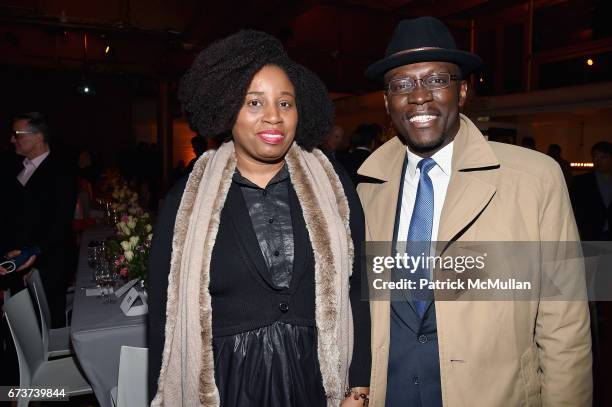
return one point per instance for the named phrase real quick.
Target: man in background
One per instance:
(38, 211)
(554, 151)
(592, 196)
(362, 144)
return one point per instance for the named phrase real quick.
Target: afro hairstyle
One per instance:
(212, 91)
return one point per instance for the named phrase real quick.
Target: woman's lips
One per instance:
(271, 136)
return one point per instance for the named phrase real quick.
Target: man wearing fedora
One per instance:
(440, 180)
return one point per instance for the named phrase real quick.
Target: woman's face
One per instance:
(266, 123)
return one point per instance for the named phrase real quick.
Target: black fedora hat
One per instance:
(423, 39)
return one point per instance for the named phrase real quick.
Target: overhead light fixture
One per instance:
(107, 49)
(590, 62)
(581, 165)
(85, 89)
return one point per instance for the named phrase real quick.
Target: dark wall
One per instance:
(101, 123)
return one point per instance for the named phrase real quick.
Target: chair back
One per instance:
(132, 389)
(40, 298)
(21, 318)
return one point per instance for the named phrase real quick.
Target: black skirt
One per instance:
(276, 365)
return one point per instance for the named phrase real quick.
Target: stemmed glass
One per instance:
(105, 279)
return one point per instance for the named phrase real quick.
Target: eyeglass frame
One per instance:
(451, 77)
(19, 133)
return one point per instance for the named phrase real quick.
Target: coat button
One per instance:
(423, 338)
(276, 253)
(283, 306)
(271, 220)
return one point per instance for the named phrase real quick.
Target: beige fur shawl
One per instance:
(187, 371)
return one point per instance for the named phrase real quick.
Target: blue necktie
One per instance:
(419, 233)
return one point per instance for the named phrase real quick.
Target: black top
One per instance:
(271, 220)
(237, 258)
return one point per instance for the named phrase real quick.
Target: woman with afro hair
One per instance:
(254, 293)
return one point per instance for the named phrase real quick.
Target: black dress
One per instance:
(275, 364)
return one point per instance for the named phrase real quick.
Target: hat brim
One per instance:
(466, 61)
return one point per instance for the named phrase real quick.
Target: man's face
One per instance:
(426, 119)
(27, 141)
(602, 161)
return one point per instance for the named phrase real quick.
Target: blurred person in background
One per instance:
(40, 211)
(592, 195)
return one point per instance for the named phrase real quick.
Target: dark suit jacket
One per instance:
(40, 214)
(589, 208)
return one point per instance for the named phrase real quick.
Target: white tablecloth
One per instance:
(99, 330)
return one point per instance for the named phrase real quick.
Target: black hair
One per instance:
(36, 122)
(602, 146)
(212, 91)
(198, 144)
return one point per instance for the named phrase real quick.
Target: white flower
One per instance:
(134, 240)
(150, 237)
(148, 228)
(125, 229)
(132, 224)
(120, 226)
(129, 255)
(125, 245)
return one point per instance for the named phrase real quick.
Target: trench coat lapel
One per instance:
(383, 211)
(472, 183)
(386, 167)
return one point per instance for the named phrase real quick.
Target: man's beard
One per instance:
(425, 148)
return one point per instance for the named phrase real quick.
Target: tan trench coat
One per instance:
(493, 353)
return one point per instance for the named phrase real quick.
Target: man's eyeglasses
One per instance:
(403, 86)
(19, 133)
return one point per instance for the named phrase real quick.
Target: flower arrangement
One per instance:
(122, 198)
(131, 246)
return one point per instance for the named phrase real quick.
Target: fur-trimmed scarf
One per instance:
(187, 371)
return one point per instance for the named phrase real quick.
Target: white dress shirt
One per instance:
(440, 176)
(29, 166)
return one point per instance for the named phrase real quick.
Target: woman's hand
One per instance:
(350, 400)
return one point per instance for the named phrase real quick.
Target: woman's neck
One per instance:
(257, 172)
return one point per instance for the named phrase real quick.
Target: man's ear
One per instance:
(386, 102)
(463, 88)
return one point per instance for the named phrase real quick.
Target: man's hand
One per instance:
(27, 264)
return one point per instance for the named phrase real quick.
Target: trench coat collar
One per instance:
(468, 191)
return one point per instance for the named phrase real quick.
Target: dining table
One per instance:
(99, 329)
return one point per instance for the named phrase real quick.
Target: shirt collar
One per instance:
(442, 157)
(280, 176)
(37, 160)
